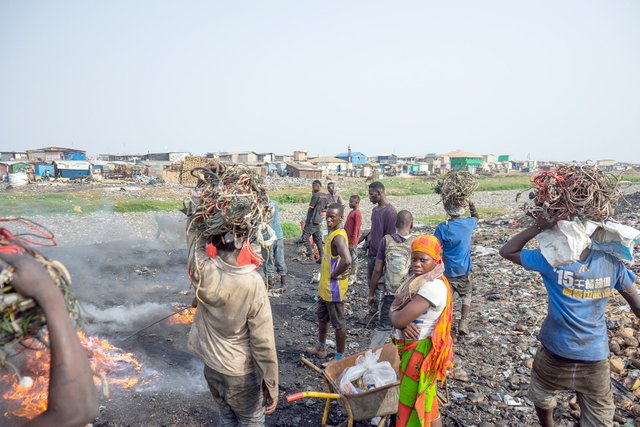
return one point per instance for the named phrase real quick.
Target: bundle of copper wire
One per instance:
(228, 199)
(573, 191)
(455, 189)
(20, 317)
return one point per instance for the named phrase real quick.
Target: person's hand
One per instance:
(372, 300)
(270, 404)
(411, 331)
(29, 278)
(342, 276)
(545, 224)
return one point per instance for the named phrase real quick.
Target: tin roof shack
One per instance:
(354, 157)
(465, 160)
(171, 157)
(7, 168)
(40, 170)
(9, 156)
(50, 154)
(298, 170)
(155, 168)
(330, 164)
(72, 169)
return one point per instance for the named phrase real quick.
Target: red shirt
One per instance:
(352, 227)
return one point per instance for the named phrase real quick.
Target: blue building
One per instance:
(72, 169)
(357, 158)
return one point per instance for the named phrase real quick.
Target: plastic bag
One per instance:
(372, 372)
(563, 244)
(615, 239)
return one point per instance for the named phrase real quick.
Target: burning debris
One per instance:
(184, 317)
(111, 366)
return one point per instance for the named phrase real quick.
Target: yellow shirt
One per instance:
(332, 290)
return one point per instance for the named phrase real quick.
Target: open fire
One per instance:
(111, 367)
(183, 318)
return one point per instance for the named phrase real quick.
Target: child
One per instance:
(333, 284)
(455, 237)
(575, 349)
(421, 314)
(352, 228)
(313, 221)
(393, 261)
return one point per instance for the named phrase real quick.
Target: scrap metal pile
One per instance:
(20, 317)
(455, 189)
(229, 200)
(573, 191)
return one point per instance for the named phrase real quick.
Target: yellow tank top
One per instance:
(332, 290)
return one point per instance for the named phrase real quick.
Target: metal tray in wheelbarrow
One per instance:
(376, 402)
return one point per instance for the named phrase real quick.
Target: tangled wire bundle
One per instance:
(229, 199)
(21, 317)
(573, 191)
(455, 189)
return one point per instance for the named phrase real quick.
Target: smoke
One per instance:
(124, 318)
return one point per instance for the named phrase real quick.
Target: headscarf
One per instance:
(440, 358)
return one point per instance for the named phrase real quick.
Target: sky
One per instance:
(543, 80)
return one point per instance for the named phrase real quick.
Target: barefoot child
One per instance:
(334, 281)
(421, 314)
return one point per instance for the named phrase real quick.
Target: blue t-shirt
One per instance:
(455, 238)
(575, 326)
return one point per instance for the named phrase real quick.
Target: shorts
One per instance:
(591, 381)
(461, 285)
(331, 312)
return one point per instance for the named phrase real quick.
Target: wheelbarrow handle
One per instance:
(318, 394)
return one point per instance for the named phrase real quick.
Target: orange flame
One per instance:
(183, 318)
(107, 362)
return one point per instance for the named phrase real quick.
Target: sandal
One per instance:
(320, 353)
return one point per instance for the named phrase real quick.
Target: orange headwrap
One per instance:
(429, 245)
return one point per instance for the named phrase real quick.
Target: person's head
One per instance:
(335, 211)
(316, 186)
(331, 188)
(404, 221)
(426, 253)
(376, 192)
(354, 201)
(223, 242)
(454, 210)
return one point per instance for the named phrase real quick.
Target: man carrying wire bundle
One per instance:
(232, 330)
(455, 235)
(574, 347)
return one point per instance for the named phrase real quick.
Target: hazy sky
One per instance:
(545, 79)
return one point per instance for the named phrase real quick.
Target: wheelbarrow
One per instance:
(376, 402)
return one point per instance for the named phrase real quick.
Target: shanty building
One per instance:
(50, 154)
(330, 164)
(464, 160)
(298, 170)
(72, 169)
(9, 156)
(7, 168)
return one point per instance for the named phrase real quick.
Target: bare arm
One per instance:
(410, 312)
(72, 396)
(472, 210)
(630, 294)
(340, 244)
(511, 250)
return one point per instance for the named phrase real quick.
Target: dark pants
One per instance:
(237, 399)
(274, 260)
(380, 291)
(312, 230)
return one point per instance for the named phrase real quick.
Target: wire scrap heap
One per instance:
(20, 317)
(229, 200)
(455, 189)
(573, 191)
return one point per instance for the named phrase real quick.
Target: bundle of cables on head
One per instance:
(230, 201)
(20, 317)
(455, 189)
(573, 192)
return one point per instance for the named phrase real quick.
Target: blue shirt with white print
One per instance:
(575, 326)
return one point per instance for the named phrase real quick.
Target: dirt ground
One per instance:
(126, 284)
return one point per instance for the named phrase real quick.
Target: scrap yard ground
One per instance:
(128, 275)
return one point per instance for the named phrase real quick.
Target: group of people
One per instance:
(412, 281)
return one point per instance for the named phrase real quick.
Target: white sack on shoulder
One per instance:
(563, 244)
